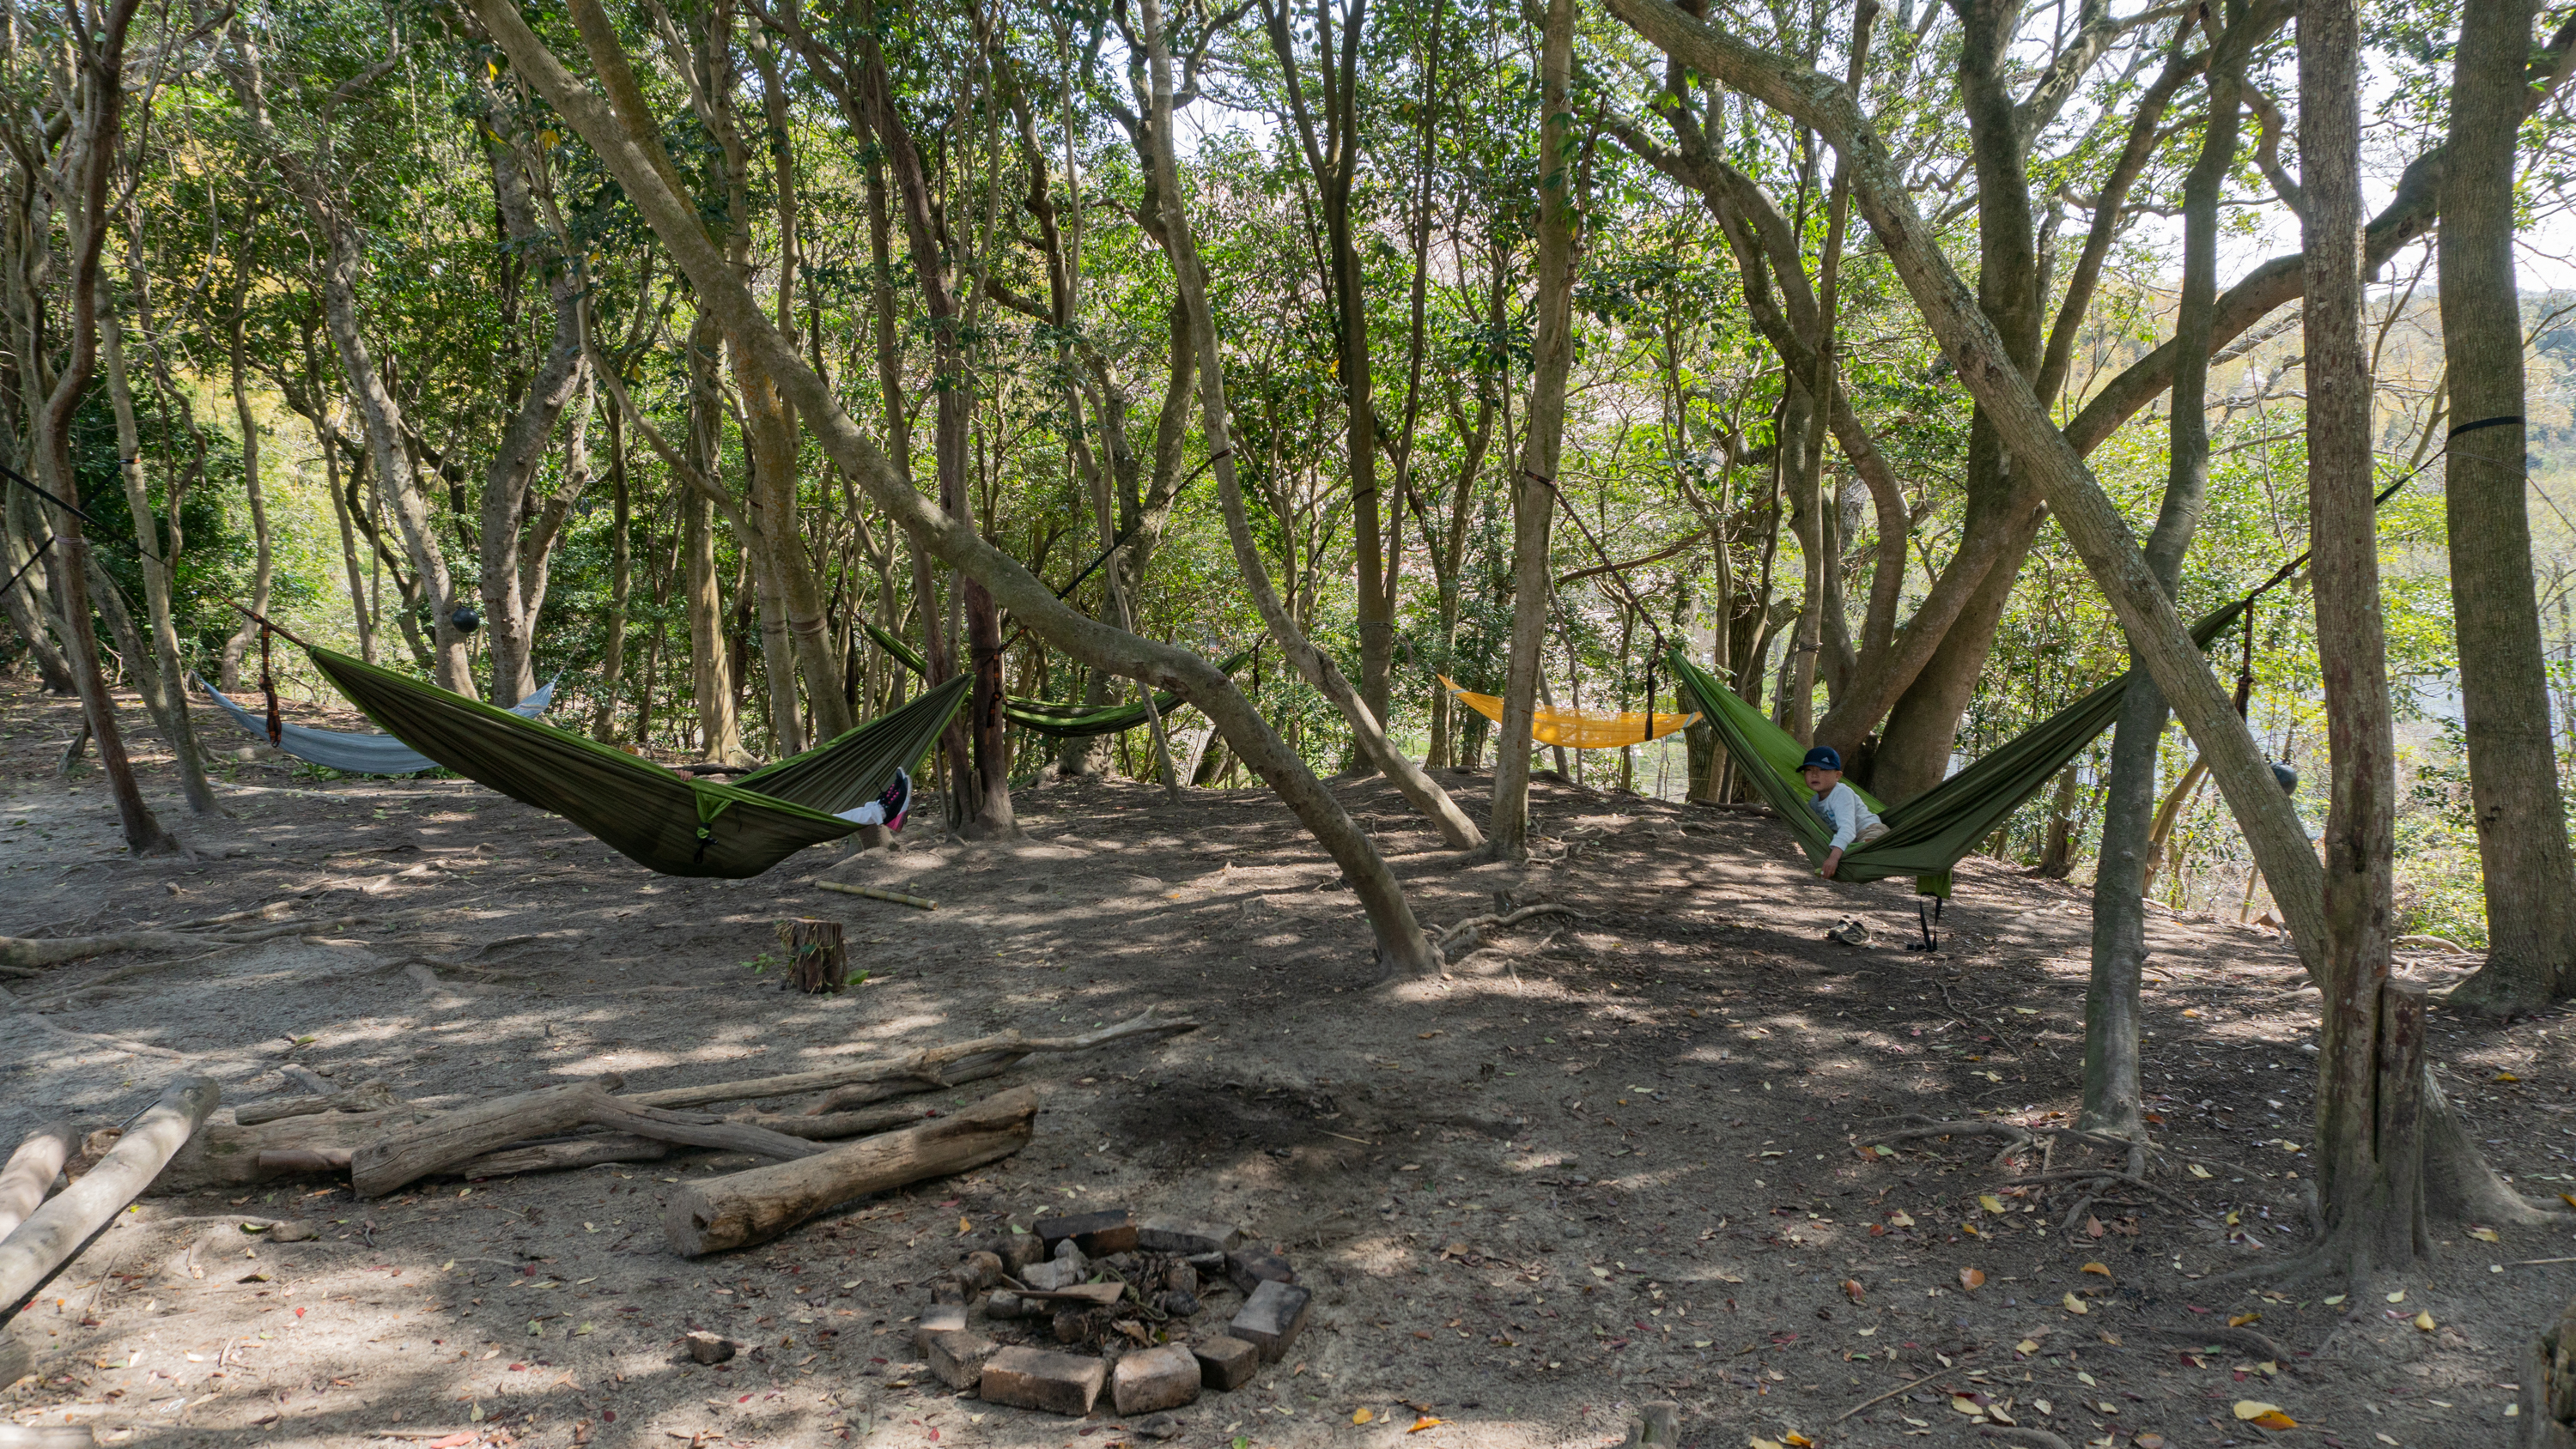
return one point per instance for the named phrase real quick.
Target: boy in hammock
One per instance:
(888, 809)
(1838, 805)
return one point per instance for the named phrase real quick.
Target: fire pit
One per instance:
(1070, 1305)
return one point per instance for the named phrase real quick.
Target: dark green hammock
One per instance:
(669, 822)
(1063, 721)
(1930, 833)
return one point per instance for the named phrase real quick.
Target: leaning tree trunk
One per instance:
(168, 702)
(1534, 486)
(2111, 1005)
(2504, 684)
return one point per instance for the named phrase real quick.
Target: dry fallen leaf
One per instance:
(1758, 1442)
(1852, 1289)
(1991, 1203)
(2093, 1226)
(1972, 1279)
(1965, 1405)
(1425, 1422)
(2397, 1297)
(1902, 1219)
(2253, 1410)
(2026, 1347)
(1795, 1440)
(2239, 1320)
(2075, 1305)
(2101, 1268)
(1362, 1416)
(2199, 1171)
(2483, 1235)
(964, 1227)
(2424, 1321)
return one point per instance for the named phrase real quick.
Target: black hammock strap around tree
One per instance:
(665, 821)
(1062, 721)
(1932, 832)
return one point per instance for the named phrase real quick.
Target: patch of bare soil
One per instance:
(1612, 1158)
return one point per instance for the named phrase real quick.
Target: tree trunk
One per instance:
(85, 216)
(2530, 879)
(1534, 487)
(264, 564)
(711, 678)
(2111, 1008)
(621, 577)
(2352, 1154)
(159, 547)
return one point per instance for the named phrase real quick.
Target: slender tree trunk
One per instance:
(2111, 1007)
(711, 678)
(101, 83)
(167, 700)
(621, 576)
(264, 558)
(1534, 486)
(2530, 880)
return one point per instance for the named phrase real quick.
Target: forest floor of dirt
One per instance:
(1604, 1161)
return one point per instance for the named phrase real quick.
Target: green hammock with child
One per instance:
(1932, 832)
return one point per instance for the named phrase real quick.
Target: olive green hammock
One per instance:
(1930, 833)
(657, 818)
(1063, 721)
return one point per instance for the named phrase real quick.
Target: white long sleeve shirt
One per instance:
(1842, 809)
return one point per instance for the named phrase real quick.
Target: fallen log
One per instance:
(444, 1141)
(571, 1152)
(918, 903)
(223, 1155)
(31, 1173)
(755, 1206)
(836, 1125)
(55, 1233)
(928, 1066)
(450, 1140)
(365, 1097)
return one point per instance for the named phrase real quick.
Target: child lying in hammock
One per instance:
(1838, 805)
(888, 809)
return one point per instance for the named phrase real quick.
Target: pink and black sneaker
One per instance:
(897, 800)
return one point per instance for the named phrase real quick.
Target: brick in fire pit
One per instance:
(1227, 1363)
(937, 1318)
(1034, 1378)
(1098, 1234)
(1251, 1268)
(1156, 1378)
(1173, 1235)
(1272, 1318)
(958, 1357)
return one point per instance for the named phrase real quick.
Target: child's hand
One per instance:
(1832, 861)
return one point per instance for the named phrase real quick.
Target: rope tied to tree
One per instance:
(2500, 420)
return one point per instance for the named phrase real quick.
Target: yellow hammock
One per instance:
(1575, 730)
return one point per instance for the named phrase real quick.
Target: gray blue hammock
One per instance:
(352, 752)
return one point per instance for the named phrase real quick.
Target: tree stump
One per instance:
(2549, 1388)
(818, 959)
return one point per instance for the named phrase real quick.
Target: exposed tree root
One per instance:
(2243, 1340)
(2094, 1182)
(1467, 929)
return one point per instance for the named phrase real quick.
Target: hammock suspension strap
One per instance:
(1930, 925)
